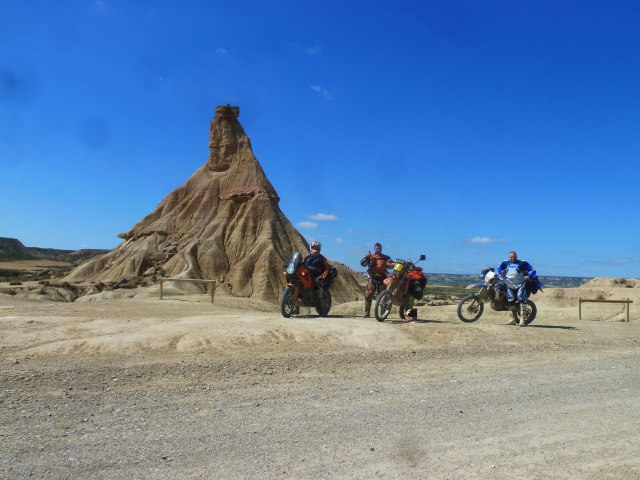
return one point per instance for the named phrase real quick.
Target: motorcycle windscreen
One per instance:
(294, 264)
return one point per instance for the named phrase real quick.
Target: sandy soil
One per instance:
(32, 265)
(180, 388)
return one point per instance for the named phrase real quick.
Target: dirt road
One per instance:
(141, 388)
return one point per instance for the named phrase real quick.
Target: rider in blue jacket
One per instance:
(517, 273)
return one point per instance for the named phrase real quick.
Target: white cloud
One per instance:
(486, 240)
(309, 225)
(339, 240)
(323, 91)
(221, 50)
(315, 50)
(323, 217)
(622, 261)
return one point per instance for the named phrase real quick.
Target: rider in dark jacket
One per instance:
(318, 267)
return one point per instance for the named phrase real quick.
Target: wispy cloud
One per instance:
(339, 240)
(322, 91)
(616, 262)
(486, 240)
(101, 7)
(323, 217)
(307, 225)
(314, 50)
(221, 51)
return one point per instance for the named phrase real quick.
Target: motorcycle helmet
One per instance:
(315, 245)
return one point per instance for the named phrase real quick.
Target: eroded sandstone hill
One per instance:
(223, 223)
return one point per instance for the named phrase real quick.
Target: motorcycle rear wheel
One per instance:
(530, 312)
(287, 304)
(470, 308)
(383, 305)
(324, 311)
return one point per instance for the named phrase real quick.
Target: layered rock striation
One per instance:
(224, 223)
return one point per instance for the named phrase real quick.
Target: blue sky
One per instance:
(457, 129)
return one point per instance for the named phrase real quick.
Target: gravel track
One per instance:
(276, 398)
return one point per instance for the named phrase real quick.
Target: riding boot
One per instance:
(514, 317)
(523, 322)
(367, 308)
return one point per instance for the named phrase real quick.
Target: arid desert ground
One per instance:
(124, 385)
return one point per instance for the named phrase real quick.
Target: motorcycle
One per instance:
(405, 284)
(300, 289)
(494, 291)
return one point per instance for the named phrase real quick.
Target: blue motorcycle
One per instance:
(494, 291)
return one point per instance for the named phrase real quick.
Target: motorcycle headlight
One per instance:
(489, 278)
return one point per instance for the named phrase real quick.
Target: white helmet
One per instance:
(315, 246)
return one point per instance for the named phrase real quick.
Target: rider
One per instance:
(378, 264)
(318, 266)
(517, 273)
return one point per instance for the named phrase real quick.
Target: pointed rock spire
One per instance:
(223, 223)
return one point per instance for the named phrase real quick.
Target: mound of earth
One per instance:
(606, 282)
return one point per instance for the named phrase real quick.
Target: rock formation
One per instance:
(223, 223)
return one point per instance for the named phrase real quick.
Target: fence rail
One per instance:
(190, 280)
(584, 300)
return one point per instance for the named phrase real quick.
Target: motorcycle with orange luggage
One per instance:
(405, 284)
(300, 289)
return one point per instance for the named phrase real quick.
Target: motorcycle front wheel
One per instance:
(324, 310)
(470, 308)
(287, 304)
(383, 305)
(530, 312)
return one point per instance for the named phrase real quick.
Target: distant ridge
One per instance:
(12, 249)
(463, 280)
